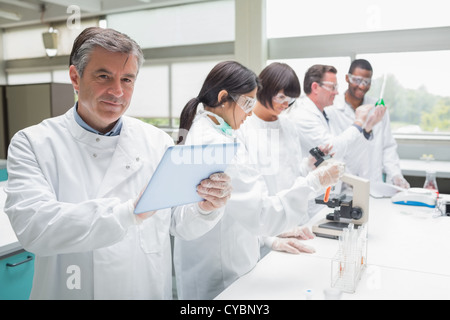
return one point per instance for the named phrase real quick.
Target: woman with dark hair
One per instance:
(229, 84)
(273, 143)
(206, 266)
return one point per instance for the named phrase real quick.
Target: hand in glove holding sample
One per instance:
(326, 175)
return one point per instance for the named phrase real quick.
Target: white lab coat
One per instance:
(206, 266)
(379, 155)
(70, 200)
(314, 129)
(274, 146)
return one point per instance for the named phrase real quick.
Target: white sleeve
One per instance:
(190, 221)
(313, 133)
(46, 226)
(260, 213)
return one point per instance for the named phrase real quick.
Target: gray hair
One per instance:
(108, 39)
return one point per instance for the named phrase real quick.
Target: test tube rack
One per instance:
(350, 261)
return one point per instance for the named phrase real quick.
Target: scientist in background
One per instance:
(206, 266)
(380, 155)
(312, 121)
(74, 181)
(272, 140)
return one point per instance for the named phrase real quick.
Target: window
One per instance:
(151, 93)
(152, 99)
(187, 80)
(29, 77)
(293, 18)
(205, 22)
(417, 91)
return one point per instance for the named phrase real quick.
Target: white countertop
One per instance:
(408, 257)
(8, 239)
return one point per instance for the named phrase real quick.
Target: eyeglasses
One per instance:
(246, 103)
(329, 86)
(281, 98)
(359, 80)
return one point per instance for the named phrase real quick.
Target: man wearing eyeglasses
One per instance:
(313, 123)
(381, 153)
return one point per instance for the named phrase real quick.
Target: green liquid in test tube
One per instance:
(380, 101)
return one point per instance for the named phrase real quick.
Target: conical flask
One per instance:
(430, 181)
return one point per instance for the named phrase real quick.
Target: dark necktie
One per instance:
(325, 115)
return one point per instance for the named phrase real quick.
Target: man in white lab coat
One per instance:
(380, 156)
(74, 181)
(314, 125)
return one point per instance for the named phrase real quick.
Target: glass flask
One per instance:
(430, 181)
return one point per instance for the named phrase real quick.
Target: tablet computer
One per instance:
(180, 171)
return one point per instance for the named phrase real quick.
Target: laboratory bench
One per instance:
(408, 258)
(16, 264)
(414, 171)
(8, 239)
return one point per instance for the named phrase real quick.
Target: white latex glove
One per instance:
(362, 112)
(374, 117)
(301, 233)
(326, 175)
(291, 245)
(400, 181)
(307, 164)
(216, 191)
(326, 149)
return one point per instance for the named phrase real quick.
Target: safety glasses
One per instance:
(357, 80)
(246, 103)
(281, 98)
(329, 86)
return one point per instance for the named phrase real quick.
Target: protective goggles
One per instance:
(246, 103)
(329, 86)
(281, 98)
(357, 80)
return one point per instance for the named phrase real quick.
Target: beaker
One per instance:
(430, 181)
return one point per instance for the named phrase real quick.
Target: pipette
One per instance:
(380, 101)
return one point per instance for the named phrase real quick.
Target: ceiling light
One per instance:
(50, 39)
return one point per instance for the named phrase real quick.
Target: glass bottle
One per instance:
(430, 177)
(430, 181)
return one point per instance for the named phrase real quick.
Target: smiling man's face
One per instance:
(106, 87)
(355, 90)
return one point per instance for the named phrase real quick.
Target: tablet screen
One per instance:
(180, 171)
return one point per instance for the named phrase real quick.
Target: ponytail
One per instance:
(187, 118)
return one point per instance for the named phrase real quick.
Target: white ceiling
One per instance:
(14, 13)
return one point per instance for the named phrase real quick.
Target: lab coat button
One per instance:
(137, 159)
(94, 155)
(98, 139)
(128, 167)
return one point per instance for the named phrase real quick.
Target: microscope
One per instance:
(347, 208)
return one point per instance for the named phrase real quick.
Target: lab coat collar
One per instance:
(307, 103)
(126, 160)
(115, 131)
